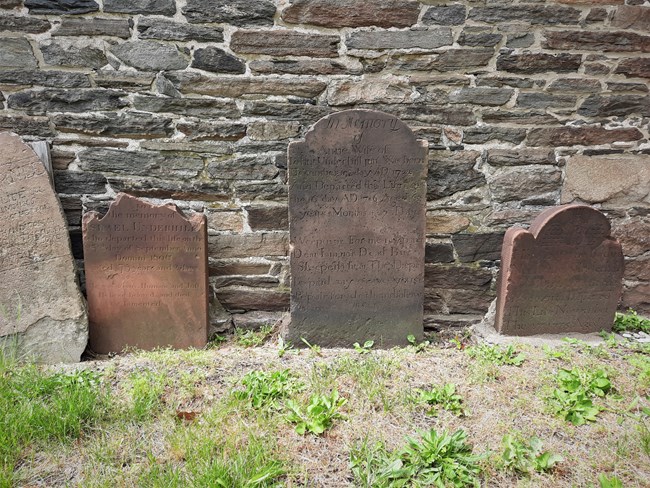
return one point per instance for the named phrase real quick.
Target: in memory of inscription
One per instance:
(146, 276)
(563, 275)
(357, 194)
(41, 309)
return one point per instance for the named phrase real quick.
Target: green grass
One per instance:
(237, 416)
(38, 408)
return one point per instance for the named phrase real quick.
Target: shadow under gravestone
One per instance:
(357, 198)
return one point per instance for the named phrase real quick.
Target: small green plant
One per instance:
(216, 341)
(526, 457)
(572, 398)
(497, 355)
(264, 389)
(314, 348)
(609, 482)
(418, 346)
(444, 397)
(283, 346)
(562, 353)
(630, 322)
(365, 349)
(433, 459)
(251, 338)
(319, 414)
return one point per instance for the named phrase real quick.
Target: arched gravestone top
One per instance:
(146, 276)
(357, 195)
(563, 275)
(41, 307)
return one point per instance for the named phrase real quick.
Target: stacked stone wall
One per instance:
(525, 104)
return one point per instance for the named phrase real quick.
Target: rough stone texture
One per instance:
(142, 163)
(634, 67)
(614, 181)
(637, 298)
(57, 79)
(451, 172)
(618, 105)
(59, 100)
(563, 275)
(233, 87)
(41, 305)
(303, 67)
(16, 53)
(530, 63)
(619, 41)
(534, 14)
(481, 96)
(634, 236)
(147, 7)
(284, 43)
(235, 12)
(478, 247)
(352, 13)
(64, 54)
(187, 106)
(58, 7)
(518, 157)
(217, 60)
(135, 125)
(519, 183)
(584, 136)
(146, 277)
(150, 55)
(155, 28)
(356, 213)
(387, 90)
(446, 223)
(14, 23)
(632, 17)
(423, 39)
(71, 26)
(454, 14)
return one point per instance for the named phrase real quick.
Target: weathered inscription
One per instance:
(356, 210)
(146, 276)
(40, 303)
(564, 275)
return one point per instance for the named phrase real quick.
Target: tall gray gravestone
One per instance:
(562, 275)
(42, 312)
(357, 195)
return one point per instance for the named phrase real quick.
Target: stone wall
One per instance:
(525, 105)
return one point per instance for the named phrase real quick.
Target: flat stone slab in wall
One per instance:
(563, 275)
(146, 276)
(357, 192)
(42, 312)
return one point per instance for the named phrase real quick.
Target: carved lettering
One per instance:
(146, 277)
(356, 207)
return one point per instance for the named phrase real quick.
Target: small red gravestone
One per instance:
(146, 277)
(563, 275)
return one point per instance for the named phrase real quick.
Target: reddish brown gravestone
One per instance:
(146, 276)
(41, 309)
(357, 191)
(563, 275)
